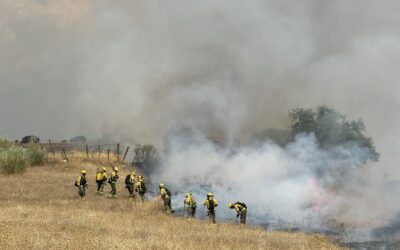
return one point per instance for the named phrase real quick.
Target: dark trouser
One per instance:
(113, 188)
(130, 188)
(167, 204)
(191, 211)
(211, 215)
(81, 191)
(243, 214)
(141, 194)
(100, 185)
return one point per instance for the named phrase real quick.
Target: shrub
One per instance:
(37, 155)
(4, 144)
(14, 160)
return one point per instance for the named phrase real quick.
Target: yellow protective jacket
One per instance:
(163, 193)
(239, 208)
(190, 201)
(81, 180)
(101, 176)
(208, 203)
(139, 187)
(132, 179)
(114, 177)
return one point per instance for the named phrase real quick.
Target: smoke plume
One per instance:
(299, 183)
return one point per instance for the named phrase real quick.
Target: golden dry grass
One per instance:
(40, 209)
(81, 157)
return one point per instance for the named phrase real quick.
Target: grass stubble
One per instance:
(41, 209)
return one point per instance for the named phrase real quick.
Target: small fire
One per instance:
(316, 194)
(320, 196)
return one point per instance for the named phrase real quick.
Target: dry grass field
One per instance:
(41, 209)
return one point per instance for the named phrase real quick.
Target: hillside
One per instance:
(40, 209)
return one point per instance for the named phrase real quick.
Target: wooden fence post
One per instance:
(118, 152)
(52, 150)
(87, 151)
(126, 152)
(65, 155)
(108, 155)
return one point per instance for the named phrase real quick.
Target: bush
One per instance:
(14, 160)
(37, 155)
(4, 144)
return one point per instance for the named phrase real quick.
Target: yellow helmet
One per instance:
(161, 185)
(116, 169)
(104, 169)
(83, 171)
(140, 177)
(133, 173)
(187, 194)
(230, 205)
(209, 194)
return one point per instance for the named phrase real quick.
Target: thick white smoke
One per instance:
(299, 183)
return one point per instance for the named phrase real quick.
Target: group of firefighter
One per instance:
(138, 185)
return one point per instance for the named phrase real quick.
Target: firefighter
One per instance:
(141, 187)
(113, 182)
(191, 205)
(130, 184)
(101, 180)
(211, 203)
(241, 211)
(81, 184)
(166, 196)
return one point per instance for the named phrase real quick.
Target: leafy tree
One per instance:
(30, 139)
(331, 129)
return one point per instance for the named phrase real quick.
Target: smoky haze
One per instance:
(132, 70)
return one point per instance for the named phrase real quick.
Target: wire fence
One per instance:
(100, 152)
(92, 150)
(87, 147)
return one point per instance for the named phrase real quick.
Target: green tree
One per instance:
(30, 139)
(331, 129)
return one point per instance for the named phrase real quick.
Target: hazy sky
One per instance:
(133, 69)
